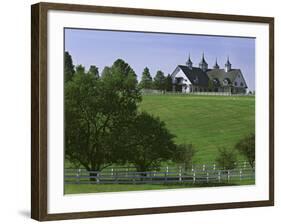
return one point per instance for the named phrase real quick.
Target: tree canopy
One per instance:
(149, 142)
(146, 79)
(68, 67)
(159, 81)
(169, 83)
(95, 108)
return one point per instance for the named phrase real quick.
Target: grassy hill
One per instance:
(208, 122)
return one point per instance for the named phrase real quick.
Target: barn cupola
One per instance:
(216, 66)
(227, 65)
(189, 62)
(203, 64)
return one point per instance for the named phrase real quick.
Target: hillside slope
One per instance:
(208, 122)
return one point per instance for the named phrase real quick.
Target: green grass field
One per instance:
(208, 122)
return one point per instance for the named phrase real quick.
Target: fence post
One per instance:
(214, 166)
(78, 176)
(240, 174)
(204, 167)
(228, 176)
(194, 177)
(98, 178)
(134, 177)
(112, 171)
(180, 170)
(219, 176)
(192, 168)
(207, 177)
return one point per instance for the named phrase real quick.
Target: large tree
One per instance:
(246, 146)
(146, 79)
(95, 110)
(148, 142)
(68, 67)
(159, 81)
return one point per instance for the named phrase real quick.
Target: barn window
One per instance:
(235, 83)
(241, 84)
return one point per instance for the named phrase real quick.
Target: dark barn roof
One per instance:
(195, 75)
(220, 74)
(200, 78)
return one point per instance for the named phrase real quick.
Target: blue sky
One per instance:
(159, 51)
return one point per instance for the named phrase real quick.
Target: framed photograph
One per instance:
(140, 111)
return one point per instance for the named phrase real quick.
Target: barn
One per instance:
(189, 79)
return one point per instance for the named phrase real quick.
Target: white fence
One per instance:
(158, 92)
(205, 173)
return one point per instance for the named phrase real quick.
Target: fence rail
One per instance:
(158, 92)
(165, 175)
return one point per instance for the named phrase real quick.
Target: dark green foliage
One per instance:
(169, 83)
(210, 85)
(94, 71)
(80, 70)
(183, 154)
(226, 158)
(246, 147)
(148, 142)
(146, 79)
(68, 67)
(95, 110)
(159, 81)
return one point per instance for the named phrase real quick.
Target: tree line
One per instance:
(159, 82)
(103, 125)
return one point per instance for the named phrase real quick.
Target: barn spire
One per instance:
(227, 65)
(189, 62)
(203, 64)
(216, 66)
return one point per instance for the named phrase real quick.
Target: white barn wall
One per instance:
(178, 73)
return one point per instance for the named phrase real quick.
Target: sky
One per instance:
(159, 51)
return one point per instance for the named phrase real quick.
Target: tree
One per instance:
(159, 81)
(246, 147)
(80, 70)
(97, 109)
(68, 67)
(169, 83)
(146, 79)
(148, 142)
(94, 71)
(210, 85)
(183, 154)
(226, 158)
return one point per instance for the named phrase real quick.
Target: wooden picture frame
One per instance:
(39, 110)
